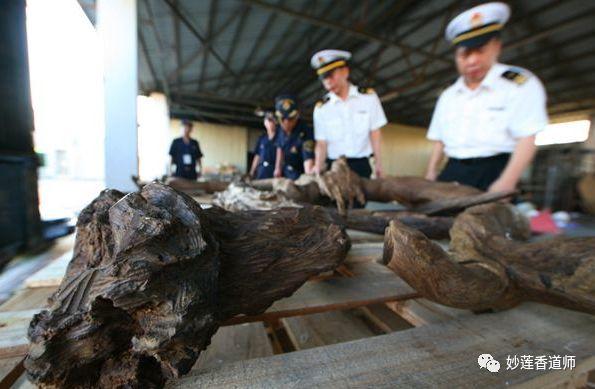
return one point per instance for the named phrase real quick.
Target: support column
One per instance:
(117, 26)
(589, 146)
(20, 226)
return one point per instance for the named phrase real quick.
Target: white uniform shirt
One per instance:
(489, 120)
(346, 125)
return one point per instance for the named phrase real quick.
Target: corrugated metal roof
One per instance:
(219, 59)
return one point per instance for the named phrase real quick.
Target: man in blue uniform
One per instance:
(186, 154)
(295, 140)
(265, 152)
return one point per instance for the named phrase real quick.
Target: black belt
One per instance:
(480, 160)
(352, 159)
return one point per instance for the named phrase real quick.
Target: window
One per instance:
(568, 132)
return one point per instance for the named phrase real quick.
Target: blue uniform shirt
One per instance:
(185, 156)
(266, 149)
(297, 147)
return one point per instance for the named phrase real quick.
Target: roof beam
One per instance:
(178, 42)
(256, 45)
(446, 53)
(279, 45)
(296, 43)
(308, 78)
(205, 59)
(216, 97)
(198, 35)
(239, 29)
(399, 8)
(226, 23)
(361, 34)
(450, 71)
(160, 49)
(145, 51)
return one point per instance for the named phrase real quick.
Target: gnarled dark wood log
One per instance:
(154, 275)
(190, 187)
(490, 266)
(434, 227)
(241, 197)
(346, 188)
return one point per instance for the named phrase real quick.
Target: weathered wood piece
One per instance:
(11, 369)
(51, 275)
(420, 312)
(321, 329)
(234, 343)
(365, 252)
(190, 187)
(153, 276)
(241, 197)
(371, 283)
(13, 333)
(345, 188)
(28, 298)
(434, 227)
(489, 265)
(441, 355)
(383, 318)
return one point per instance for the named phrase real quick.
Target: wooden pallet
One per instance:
(362, 326)
(438, 355)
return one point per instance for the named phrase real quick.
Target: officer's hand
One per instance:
(431, 175)
(378, 170)
(277, 173)
(502, 185)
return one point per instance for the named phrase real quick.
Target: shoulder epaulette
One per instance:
(321, 102)
(515, 76)
(366, 91)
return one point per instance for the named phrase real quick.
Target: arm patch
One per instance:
(515, 77)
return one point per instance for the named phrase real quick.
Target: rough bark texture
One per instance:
(153, 276)
(434, 227)
(241, 197)
(346, 188)
(341, 186)
(190, 187)
(490, 266)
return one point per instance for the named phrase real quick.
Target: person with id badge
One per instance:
(185, 153)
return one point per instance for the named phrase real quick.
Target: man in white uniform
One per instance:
(347, 121)
(487, 120)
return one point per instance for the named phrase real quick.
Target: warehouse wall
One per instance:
(405, 150)
(221, 144)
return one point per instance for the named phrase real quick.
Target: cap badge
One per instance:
(476, 20)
